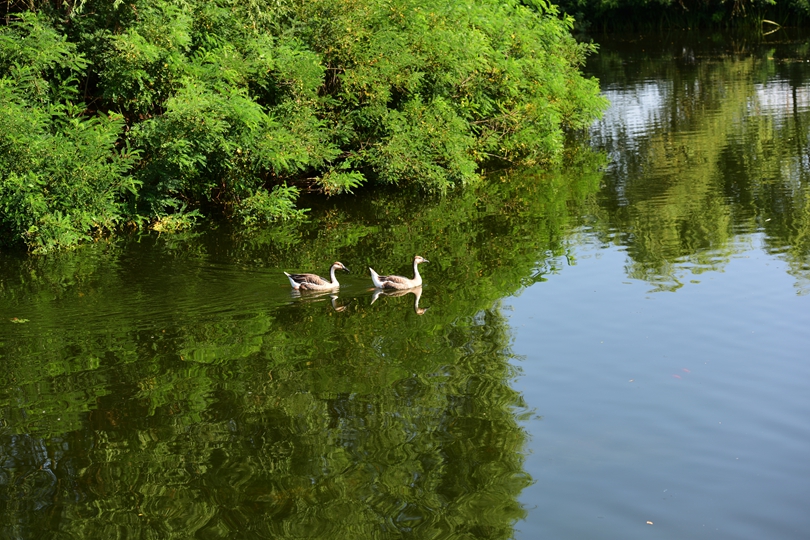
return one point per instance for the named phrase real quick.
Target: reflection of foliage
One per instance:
(424, 440)
(692, 167)
(184, 393)
(788, 233)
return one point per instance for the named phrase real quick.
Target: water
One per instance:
(669, 366)
(614, 350)
(688, 410)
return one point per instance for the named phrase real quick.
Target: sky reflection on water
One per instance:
(686, 409)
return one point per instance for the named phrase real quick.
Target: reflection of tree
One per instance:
(416, 451)
(706, 154)
(393, 434)
(180, 392)
(28, 482)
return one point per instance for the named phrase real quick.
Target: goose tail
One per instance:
(375, 278)
(293, 283)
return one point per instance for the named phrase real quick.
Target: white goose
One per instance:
(399, 282)
(312, 282)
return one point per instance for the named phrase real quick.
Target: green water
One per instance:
(581, 337)
(173, 387)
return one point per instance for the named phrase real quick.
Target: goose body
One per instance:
(313, 282)
(399, 282)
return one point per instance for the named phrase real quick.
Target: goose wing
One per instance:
(394, 281)
(308, 278)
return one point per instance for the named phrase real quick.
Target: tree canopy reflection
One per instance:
(171, 387)
(707, 150)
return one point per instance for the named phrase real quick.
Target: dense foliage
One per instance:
(614, 15)
(160, 111)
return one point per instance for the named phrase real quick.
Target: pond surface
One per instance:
(618, 349)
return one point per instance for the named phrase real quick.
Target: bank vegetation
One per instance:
(158, 113)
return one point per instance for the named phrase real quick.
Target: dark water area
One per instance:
(616, 349)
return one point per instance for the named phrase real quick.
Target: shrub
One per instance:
(62, 178)
(162, 111)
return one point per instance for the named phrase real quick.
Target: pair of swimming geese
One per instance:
(313, 282)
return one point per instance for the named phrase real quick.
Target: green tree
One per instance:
(63, 175)
(199, 108)
(615, 15)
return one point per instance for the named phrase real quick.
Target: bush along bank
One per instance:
(158, 113)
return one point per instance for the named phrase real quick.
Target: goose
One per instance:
(399, 282)
(416, 291)
(312, 282)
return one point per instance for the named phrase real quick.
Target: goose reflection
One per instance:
(337, 307)
(416, 291)
(319, 296)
